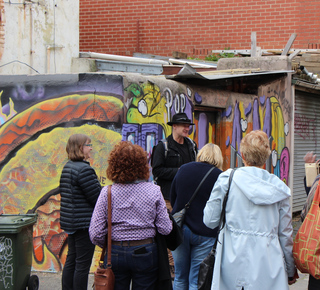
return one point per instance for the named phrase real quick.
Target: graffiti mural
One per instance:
(37, 118)
(262, 113)
(36, 122)
(149, 109)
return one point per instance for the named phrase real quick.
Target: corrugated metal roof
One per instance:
(188, 72)
(305, 84)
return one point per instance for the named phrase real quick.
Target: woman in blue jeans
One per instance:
(138, 211)
(197, 238)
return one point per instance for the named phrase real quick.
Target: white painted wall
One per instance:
(41, 36)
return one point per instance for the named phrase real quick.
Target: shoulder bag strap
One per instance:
(224, 204)
(197, 189)
(108, 235)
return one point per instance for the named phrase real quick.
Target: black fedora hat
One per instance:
(180, 118)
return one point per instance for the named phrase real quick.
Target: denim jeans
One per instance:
(187, 258)
(76, 269)
(138, 264)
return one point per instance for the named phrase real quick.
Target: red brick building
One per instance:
(196, 27)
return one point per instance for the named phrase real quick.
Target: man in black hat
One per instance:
(173, 152)
(169, 155)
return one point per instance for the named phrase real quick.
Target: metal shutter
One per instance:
(306, 138)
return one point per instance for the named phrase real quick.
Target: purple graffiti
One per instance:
(227, 112)
(236, 130)
(197, 98)
(247, 110)
(203, 130)
(256, 116)
(228, 141)
(262, 100)
(267, 126)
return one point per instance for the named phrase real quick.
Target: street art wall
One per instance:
(269, 111)
(37, 117)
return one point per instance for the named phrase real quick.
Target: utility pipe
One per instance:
(194, 64)
(123, 58)
(138, 36)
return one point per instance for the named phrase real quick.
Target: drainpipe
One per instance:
(49, 48)
(122, 58)
(138, 39)
(314, 77)
(31, 38)
(194, 64)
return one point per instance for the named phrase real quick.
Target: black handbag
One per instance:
(175, 238)
(180, 215)
(206, 266)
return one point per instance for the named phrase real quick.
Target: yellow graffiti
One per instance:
(36, 168)
(148, 106)
(261, 116)
(277, 126)
(12, 112)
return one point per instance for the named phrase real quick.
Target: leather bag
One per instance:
(207, 265)
(206, 269)
(104, 277)
(180, 215)
(306, 245)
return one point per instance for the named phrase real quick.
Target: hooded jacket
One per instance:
(255, 249)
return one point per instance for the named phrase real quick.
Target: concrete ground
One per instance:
(52, 281)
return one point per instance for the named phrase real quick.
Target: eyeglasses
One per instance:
(89, 145)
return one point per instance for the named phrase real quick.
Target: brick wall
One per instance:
(195, 26)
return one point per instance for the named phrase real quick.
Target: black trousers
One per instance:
(76, 269)
(314, 284)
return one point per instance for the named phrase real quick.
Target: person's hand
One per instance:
(310, 157)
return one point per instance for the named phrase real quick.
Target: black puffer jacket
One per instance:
(79, 189)
(164, 168)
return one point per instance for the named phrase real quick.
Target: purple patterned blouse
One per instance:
(138, 209)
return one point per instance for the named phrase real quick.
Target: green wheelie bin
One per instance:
(16, 245)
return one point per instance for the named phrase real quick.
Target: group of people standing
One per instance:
(254, 249)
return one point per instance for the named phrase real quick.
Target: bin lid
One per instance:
(14, 223)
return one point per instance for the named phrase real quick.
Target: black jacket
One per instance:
(79, 189)
(171, 242)
(164, 168)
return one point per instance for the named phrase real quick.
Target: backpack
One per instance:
(165, 144)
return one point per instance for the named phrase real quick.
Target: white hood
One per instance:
(259, 186)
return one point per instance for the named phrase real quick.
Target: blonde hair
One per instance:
(75, 146)
(211, 153)
(255, 148)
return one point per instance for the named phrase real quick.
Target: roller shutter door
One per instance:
(306, 138)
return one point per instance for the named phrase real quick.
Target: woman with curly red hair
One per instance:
(138, 211)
